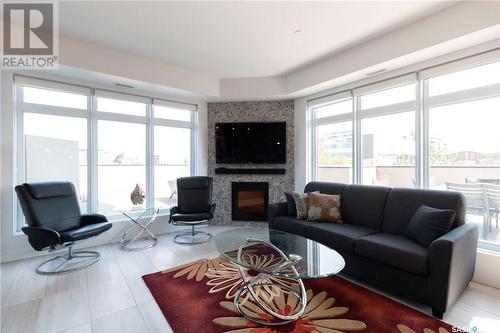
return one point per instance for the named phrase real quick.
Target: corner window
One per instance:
(437, 130)
(104, 148)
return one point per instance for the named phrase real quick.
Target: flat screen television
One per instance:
(250, 143)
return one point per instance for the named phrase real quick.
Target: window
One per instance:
(171, 160)
(463, 141)
(54, 98)
(55, 148)
(163, 112)
(121, 103)
(105, 148)
(332, 122)
(334, 109)
(388, 96)
(121, 164)
(465, 148)
(387, 137)
(437, 130)
(335, 152)
(388, 156)
(467, 79)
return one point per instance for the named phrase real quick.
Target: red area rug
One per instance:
(198, 298)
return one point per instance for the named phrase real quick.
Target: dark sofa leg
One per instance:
(437, 314)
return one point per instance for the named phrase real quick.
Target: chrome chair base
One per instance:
(69, 262)
(193, 237)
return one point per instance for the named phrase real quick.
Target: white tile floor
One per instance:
(110, 295)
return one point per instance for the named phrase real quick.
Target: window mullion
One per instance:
(93, 155)
(19, 157)
(149, 156)
(193, 145)
(419, 139)
(425, 135)
(314, 148)
(356, 144)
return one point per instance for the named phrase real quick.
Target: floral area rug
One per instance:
(198, 298)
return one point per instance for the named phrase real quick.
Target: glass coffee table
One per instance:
(272, 262)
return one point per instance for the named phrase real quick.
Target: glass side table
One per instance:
(135, 216)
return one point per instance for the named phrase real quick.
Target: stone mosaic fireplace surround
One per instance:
(266, 111)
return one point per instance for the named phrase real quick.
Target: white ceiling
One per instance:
(237, 39)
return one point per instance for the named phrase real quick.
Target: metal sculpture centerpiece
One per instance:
(285, 265)
(272, 265)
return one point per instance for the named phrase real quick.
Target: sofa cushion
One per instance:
(301, 204)
(338, 236)
(428, 224)
(402, 204)
(84, 232)
(324, 208)
(393, 250)
(364, 205)
(290, 224)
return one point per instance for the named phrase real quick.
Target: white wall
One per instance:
(15, 246)
(100, 59)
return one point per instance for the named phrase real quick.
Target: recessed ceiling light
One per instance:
(297, 31)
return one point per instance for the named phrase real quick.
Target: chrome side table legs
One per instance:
(126, 244)
(262, 279)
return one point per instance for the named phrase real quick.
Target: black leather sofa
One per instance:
(372, 241)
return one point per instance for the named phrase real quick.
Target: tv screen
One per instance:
(258, 143)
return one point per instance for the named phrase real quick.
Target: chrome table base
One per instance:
(126, 244)
(262, 279)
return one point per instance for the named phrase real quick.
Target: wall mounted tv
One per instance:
(250, 143)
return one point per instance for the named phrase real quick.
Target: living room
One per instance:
(246, 166)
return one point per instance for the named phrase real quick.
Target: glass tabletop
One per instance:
(139, 212)
(278, 253)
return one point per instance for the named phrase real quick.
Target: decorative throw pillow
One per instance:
(301, 204)
(428, 224)
(290, 202)
(324, 208)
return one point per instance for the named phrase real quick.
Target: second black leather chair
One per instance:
(194, 208)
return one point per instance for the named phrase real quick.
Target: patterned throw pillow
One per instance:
(301, 204)
(324, 208)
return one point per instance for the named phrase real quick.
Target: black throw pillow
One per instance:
(428, 224)
(290, 202)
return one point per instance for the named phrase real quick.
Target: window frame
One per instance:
(329, 120)
(92, 117)
(421, 106)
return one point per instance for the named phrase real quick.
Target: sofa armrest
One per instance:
(88, 219)
(452, 260)
(41, 238)
(275, 210)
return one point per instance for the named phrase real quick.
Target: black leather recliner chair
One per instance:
(54, 220)
(194, 208)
